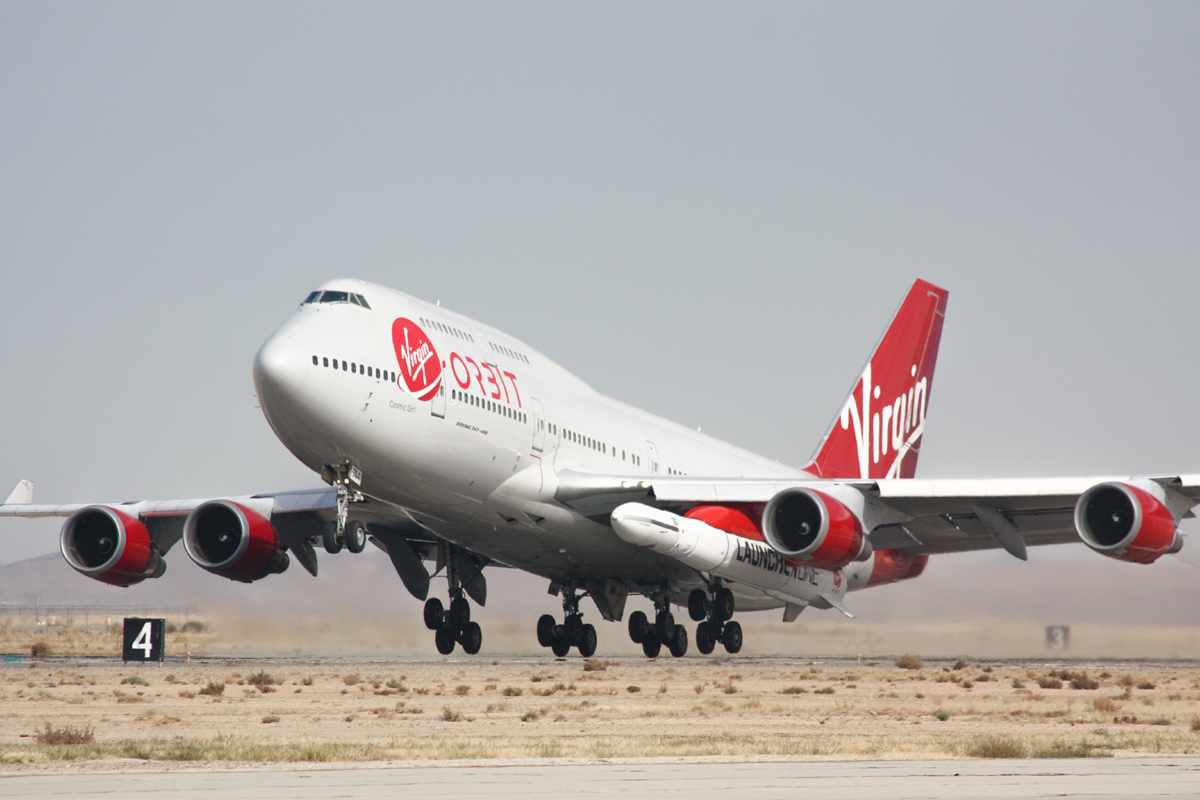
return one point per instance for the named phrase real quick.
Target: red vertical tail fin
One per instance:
(877, 433)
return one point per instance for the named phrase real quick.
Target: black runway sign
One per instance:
(144, 639)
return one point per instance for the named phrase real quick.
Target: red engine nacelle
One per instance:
(109, 545)
(233, 541)
(815, 528)
(1126, 523)
(890, 566)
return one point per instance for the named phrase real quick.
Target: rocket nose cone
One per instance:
(643, 525)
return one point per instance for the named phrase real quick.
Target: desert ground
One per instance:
(84, 714)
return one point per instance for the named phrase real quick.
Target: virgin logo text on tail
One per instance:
(896, 426)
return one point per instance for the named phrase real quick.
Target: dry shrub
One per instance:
(512, 691)
(1017, 683)
(1065, 749)
(1195, 726)
(352, 680)
(909, 662)
(306, 681)
(824, 690)
(450, 715)
(994, 747)
(193, 627)
(262, 679)
(1082, 681)
(1049, 683)
(793, 690)
(1145, 685)
(213, 689)
(39, 649)
(595, 665)
(134, 680)
(633, 689)
(1127, 681)
(941, 716)
(270, 719)
(960, 664)
(64, 735)
(462, 691)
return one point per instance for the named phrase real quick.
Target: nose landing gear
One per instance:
(346, 479)
(573, 632)
(714, 612)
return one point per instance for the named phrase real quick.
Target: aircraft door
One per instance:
(538, 418)
(651, 457)
(437, 406)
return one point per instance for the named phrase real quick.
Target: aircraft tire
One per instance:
(678, 643)
(651, 646)
(356, 536)
(329, 538)
(639, 626)
(587, 641)
(434, 613)
(460, 612)
(706, 642)
(697, 605)
(471, 638)
(545, 630)
(731, 637)
(444, 640)
(561, 644)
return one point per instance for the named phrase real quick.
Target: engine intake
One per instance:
(814, 527)
(233, 541)
(1126, 523)
(110, 546)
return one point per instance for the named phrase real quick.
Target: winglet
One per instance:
(21, 495)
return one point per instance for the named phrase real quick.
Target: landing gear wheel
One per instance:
(573, 625)
(723, 605)
(444, 639)
(678, 642)
(561, 644)
(651, 647)
(460, 612)
(706, 642)
(356, 537)
(545, 630)
(697, 605)
(329, 538)
(731, 637)
(587, 641)
(434, 613)
(639, 627)
(471, 638)
(665, 625)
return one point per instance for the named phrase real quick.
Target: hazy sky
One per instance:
(706, 209)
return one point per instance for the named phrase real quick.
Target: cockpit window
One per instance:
(312, 297)
(362, 301)
(335, 297)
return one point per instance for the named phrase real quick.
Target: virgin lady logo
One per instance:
(420, 367)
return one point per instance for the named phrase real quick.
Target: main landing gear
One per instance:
(573, 632)
(453, 625)
(652, 637)
(714, 611)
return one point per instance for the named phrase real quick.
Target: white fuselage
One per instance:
(476, 462)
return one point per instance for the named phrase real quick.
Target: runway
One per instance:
(847, 780)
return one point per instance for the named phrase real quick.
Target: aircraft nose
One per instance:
(278, 367)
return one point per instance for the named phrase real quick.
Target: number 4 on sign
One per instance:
(143, 641)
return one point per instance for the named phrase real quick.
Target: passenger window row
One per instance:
(354, 368)
(337, 297)
(449, 330)
(489, 405)
(592, 443)
(508, 351)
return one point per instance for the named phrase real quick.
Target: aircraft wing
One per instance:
(299, 517)
(910, 514)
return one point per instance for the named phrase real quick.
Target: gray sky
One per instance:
(706, 209)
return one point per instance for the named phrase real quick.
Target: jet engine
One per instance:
(1127, 523)
(233, 541)
(110, 545)
(815, 528)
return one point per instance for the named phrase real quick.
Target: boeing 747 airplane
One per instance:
(455, 448)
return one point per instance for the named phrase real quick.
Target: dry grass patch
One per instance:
(909, 662)
(65, 735)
